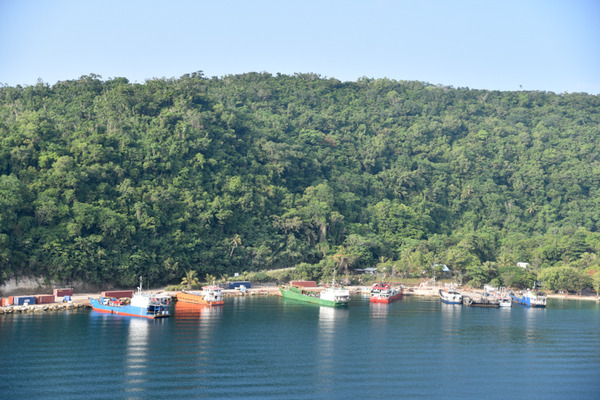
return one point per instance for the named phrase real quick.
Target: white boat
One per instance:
(336, 294)
(505, 302)
(450, 296)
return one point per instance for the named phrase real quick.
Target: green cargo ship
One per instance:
(331, 296)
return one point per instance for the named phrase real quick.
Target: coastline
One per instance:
(82, 300)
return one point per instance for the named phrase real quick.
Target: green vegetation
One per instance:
(190, 280)
(103, 181)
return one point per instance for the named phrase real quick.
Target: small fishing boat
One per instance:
(385, 293)
(211, 295)
(529, 299)
(450, 296)
(145, 305)
(505, 302)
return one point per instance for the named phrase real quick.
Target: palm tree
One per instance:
(235, 242)
(344, 259)
(190, 279)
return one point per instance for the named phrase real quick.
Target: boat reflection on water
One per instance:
(533, 319)
(196, 311)
(332, 321)
(136, 360)
(379, 310)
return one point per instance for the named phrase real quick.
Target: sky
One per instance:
(546, 45)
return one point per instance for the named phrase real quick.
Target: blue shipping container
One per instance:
(21, 300)
(234, 285)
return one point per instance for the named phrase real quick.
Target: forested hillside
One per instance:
(105, 180)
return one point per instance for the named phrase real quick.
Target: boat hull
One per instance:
(299, 295)
(450, 297)
(386, 300)
(475, 303)
(197, 299)
(485, 301)
(450, 301)
(127, 310)
(526, 301)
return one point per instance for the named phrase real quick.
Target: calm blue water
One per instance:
(271, 348)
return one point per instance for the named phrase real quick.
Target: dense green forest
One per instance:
(105, 180)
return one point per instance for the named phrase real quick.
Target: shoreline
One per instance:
(80, 301)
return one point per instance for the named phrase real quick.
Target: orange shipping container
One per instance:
(3, 302)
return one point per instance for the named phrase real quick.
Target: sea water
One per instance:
(266, 347)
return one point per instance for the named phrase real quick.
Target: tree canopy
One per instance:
(104, 180)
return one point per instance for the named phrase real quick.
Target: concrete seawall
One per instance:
(41, 308)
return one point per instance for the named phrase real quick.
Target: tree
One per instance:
(566, 279)
(105, 180)
(343, 259)
(235, 242)
(190, 279)
(596, 283)
(480, 274)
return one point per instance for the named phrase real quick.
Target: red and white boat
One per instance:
(385, 293)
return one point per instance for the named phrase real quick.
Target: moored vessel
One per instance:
(529, 299)
(505, 302)
(499, 294)
(333, 295)
(145, 305)
(385, 293)
(450, 296)
(211, 295)
(486, 300)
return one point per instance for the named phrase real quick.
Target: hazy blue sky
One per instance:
(550, 45)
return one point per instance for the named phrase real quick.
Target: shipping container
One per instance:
(63, 292)
(44, 298)
(3, 302)
(303, 283)
(235, 285)
(22, 300)
(118, 293)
